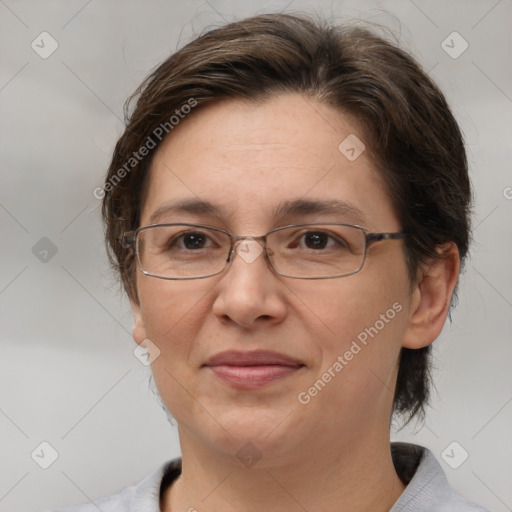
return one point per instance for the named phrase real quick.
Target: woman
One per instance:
(288, 212)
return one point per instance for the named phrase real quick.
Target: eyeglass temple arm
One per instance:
(377, 237)
(128, 240)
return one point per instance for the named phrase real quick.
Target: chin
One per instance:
(250, 433)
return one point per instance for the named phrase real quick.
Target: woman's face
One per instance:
(341, 337)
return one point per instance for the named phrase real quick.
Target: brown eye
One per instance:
(194, 241)
(316, 240)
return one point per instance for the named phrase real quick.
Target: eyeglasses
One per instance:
(300, 251)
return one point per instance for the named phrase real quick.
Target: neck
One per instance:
(355, 474)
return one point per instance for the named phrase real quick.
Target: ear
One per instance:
(139, 331)
(431, 297)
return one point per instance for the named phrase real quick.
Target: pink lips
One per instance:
(252, 370)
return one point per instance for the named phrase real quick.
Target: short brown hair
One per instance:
(408, 128)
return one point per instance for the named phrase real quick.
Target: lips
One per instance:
(254, 358)
(252, 370)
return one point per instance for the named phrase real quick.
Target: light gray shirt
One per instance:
(427, 488)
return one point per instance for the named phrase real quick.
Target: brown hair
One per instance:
(412, 136)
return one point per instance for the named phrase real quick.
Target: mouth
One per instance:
(252, 370)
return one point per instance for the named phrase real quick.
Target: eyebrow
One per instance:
(193, 206)
(334, 207)
(286, 209)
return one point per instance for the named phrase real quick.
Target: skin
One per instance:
(332, 453)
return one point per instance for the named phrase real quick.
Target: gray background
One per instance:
(68, 375)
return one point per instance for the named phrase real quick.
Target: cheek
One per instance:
(344, 308)
(357, 363)
(366, 317)
(360, 328)
(175, 316)
(171, 312)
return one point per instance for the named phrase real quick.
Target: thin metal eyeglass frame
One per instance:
(129, 240)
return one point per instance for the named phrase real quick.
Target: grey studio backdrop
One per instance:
(78, 418)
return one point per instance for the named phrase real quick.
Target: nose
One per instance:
(249, 294)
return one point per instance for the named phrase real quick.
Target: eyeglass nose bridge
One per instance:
(248, 247)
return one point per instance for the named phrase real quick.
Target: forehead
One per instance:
(249, 159)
